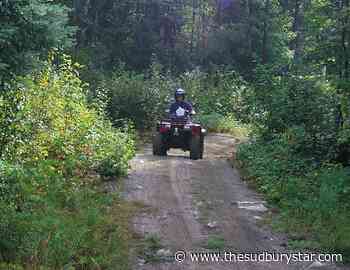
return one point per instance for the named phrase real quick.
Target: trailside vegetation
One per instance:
(55, 149)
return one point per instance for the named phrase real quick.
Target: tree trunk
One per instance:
(298, 25)
(193, 23)
(249, 28)
(345, 39)
(265, 32)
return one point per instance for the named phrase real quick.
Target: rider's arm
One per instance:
(190, 108)
(172, 108)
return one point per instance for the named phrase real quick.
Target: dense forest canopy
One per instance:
(182, 34)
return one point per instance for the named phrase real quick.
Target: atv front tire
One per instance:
(195, 148)
(201, 147)
(158, 145)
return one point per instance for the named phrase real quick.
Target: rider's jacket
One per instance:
(180, 108)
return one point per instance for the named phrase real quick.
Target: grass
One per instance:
(148, 247)
(143, 137)
(152, 242)
(312, 203)
(114, 236)
(96, 240)
(218, 123)
(215, 242)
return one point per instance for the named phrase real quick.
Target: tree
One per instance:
(28, 29)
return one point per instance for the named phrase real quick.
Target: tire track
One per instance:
(175, 187)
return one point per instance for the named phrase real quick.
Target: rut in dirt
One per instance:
(199, 205)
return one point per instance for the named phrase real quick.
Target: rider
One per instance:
(180, 108)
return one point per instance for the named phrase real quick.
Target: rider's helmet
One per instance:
(180, 92)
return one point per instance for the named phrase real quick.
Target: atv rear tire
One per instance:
(158, 145)
(195, 148)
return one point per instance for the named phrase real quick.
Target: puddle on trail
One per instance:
(252, 206)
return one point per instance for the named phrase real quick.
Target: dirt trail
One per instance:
(197, 202)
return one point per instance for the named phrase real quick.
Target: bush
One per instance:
(293, 155)
(134, 97)
(215, 122)
(54, 143)
(214, 93)
(143, 99)
(313, 198)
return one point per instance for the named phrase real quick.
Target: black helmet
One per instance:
(180, 92)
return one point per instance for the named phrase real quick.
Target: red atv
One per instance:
(179, 132)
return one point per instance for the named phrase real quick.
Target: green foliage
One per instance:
(115, 151)
(315, 198)
(218, 92)
(292, 157)
(303, 109)
(215, 242)
(295, 55)
(133, 97)
(152, 243)
(54, 121)
(55, 142)
(216, 97)
(10, 266)
(215, 122)
(28, 30)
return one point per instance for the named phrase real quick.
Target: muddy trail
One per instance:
(201, 206)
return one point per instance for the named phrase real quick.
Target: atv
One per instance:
(179, 132)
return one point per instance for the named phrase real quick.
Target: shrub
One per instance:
(214, 93)
(134, 97)
(313, 196)
(301, 108)
(54, 142)
(143, 99)
(215, 122)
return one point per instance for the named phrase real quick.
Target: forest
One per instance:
(80, 80)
